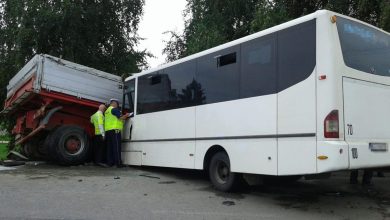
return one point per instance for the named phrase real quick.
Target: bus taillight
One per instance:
(331, 125)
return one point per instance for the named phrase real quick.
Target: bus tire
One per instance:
(220, 175)
(69, 145)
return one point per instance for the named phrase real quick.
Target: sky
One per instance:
(160, 16)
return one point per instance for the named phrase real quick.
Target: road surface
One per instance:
(89, 192)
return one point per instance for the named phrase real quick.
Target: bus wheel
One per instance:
(220, 175)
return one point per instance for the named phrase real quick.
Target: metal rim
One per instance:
(222, 172)
(74, 144)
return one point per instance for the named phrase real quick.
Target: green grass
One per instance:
(3, 147)
(3, 151)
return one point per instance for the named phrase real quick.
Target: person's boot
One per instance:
(367, 176)
(380, 174)
(353, 178)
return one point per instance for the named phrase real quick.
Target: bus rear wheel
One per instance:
(221, 176)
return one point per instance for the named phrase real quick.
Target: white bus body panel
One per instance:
(296, 116)
(329, 96)
(154, 126)
(366, 110)
(240, 118)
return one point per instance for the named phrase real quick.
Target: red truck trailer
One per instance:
(52, 100)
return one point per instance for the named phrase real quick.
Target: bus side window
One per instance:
(296, 54)
(128, 104)
(258, 67)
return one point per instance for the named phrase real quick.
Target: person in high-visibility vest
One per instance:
(99, 146)
(113, 124)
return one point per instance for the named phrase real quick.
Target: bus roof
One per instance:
(244, 39)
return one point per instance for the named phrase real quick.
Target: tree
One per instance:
(270, 13)
(98, 33)
(210, 23)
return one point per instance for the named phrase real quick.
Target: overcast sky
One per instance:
(160, 16)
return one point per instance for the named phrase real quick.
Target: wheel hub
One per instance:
(222, 172)
(72, 145)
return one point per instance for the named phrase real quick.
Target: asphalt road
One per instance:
(88, 192)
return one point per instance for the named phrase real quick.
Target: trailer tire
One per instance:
(49, 146)
(28, 150)
(221, 176)
(69, 144)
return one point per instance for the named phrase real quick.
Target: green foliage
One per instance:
(210, 23)
(4, 147)
(175, 46)
(384, 20)
(271, 13)
(98, 33)
(3, 151)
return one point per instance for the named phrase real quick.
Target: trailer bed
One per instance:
(51, 74)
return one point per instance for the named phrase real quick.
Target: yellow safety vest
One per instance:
(111, 122)
(121, 124)
(97, 119)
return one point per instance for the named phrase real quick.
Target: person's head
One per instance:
(114, 103)
(102, 108)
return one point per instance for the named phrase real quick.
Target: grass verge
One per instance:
(3, 147)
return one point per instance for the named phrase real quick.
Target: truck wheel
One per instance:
(220, 175)
(28, 150)
(31, 150)
(49, 146)
(70, 145)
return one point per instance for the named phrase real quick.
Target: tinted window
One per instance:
(129, 95)
(153, 92)
(184, 90)
(173, 87)
(219, 82)
(364, 48)
(296, 54)
(258, 67)
(227, 59)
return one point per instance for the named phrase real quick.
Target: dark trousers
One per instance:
(367, 176)
(114, 148)
(99, 149)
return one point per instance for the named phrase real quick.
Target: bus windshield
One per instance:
(364, 48)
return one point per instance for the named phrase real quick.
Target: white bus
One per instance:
(308, 96)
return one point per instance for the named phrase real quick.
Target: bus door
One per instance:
(366, 122)
(131, 153)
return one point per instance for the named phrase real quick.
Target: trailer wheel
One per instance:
(34, 149)
(70, 145)
(221, 176)
(49, 146)
(28, 150)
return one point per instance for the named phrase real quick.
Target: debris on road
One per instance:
(17, 155)
(35, 163)
(3, 168)
(166, 182)
(228, 203)
(11, 163)
(149, 176)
